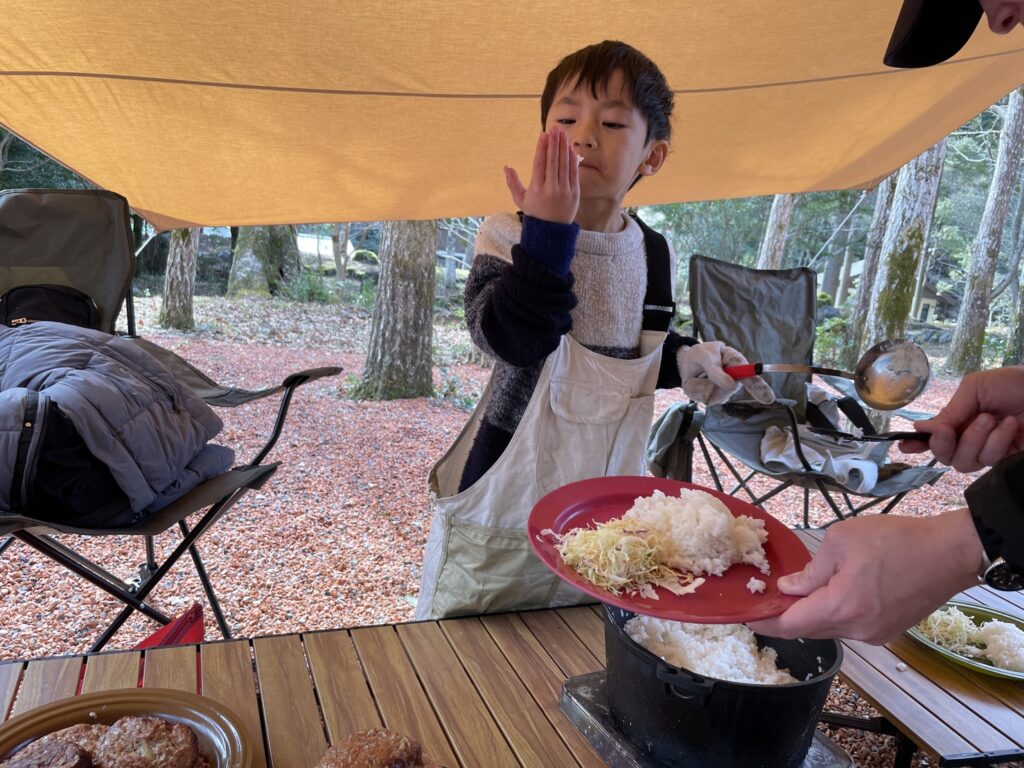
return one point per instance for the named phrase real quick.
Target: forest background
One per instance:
(932, 253)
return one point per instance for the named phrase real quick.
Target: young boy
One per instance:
(573, 299)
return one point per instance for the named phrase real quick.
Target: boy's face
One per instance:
(609, 133)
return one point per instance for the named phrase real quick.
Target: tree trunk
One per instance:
(904, 244)
(264, 259)
(844, 275)
(1015, 345)
(969, 335)
(180, 280)
(138, 231)
(834, 265)
(774, 243)
(339, 247)
(922, 277)
(398, 362)
(865, 287)
(1017, 245)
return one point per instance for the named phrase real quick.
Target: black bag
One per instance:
(59, 303)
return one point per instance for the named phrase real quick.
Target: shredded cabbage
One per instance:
(619, 557)
(952, 629)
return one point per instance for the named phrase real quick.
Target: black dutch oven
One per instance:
(679, 718)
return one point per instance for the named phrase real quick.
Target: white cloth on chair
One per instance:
(847, 461)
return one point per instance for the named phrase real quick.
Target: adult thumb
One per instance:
(815, 575)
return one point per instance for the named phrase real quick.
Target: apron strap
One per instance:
(659, 308)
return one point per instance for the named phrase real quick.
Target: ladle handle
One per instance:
(743, 371)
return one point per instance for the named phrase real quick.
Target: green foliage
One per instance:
(829, 340)
(453, 390)
(23, 167)
(359, 293)
(308, 286)
(723, 229)
(994, 349)
(363, 256)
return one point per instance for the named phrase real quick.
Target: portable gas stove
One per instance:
(585, 701)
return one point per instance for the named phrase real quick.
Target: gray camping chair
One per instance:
(769, 315)
(82, 239)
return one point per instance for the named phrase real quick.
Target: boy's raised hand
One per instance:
(554, 191)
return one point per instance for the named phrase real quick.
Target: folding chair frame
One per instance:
(712, 287)
(217, 495)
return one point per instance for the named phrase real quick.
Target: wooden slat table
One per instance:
(476, 692)
(484, 691)
(956, 715)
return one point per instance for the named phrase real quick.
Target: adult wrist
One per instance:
(965, 547)
(997, 510)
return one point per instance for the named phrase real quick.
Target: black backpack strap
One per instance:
(659, 308)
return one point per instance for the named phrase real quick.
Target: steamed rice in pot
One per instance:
(722, 651)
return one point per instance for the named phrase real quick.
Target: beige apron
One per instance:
(589, 416)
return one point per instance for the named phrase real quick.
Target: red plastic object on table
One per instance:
(187, 628)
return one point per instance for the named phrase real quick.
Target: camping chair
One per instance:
(769, 315)
(82, 239)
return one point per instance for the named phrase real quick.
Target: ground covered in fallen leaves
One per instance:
(335, 538)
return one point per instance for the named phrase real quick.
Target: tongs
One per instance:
(876, 438)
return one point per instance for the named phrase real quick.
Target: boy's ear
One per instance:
(655, 158)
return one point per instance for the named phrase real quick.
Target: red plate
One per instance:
(721, 599)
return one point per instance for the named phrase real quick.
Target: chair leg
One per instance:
(214, 514)
(87, 564)
(6, 543)
(135, 601)
(207, 585)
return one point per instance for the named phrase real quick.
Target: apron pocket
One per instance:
(488, 569)
(579, 432)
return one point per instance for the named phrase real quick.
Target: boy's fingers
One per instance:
(551, 167)
(563, 160)
(515, 186)
(574, 170)
(540, 158)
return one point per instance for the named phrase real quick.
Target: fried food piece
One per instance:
(85, 735)
(50, 753)
(375, 748)
(148, 742)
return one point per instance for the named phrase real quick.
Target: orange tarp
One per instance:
(261, 112)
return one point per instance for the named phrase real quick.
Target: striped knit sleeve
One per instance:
(518, 307)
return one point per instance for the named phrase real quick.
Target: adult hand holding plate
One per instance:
(721, 599)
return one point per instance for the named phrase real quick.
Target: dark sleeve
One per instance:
(668, 374)
(519, 312)
(996, 501)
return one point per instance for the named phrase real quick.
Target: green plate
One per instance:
(979, 614)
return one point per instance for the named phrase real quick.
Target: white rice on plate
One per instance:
(698, 534)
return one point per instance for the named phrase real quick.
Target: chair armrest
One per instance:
(311, 374)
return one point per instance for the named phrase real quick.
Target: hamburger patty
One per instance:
(85, 735)
(50, 754)
(375, 748)
(147, 742)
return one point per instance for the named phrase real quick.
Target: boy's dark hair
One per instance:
(593, 66)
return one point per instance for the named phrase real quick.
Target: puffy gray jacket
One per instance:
(130, 411)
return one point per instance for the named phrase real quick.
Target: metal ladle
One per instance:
(890, 375)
